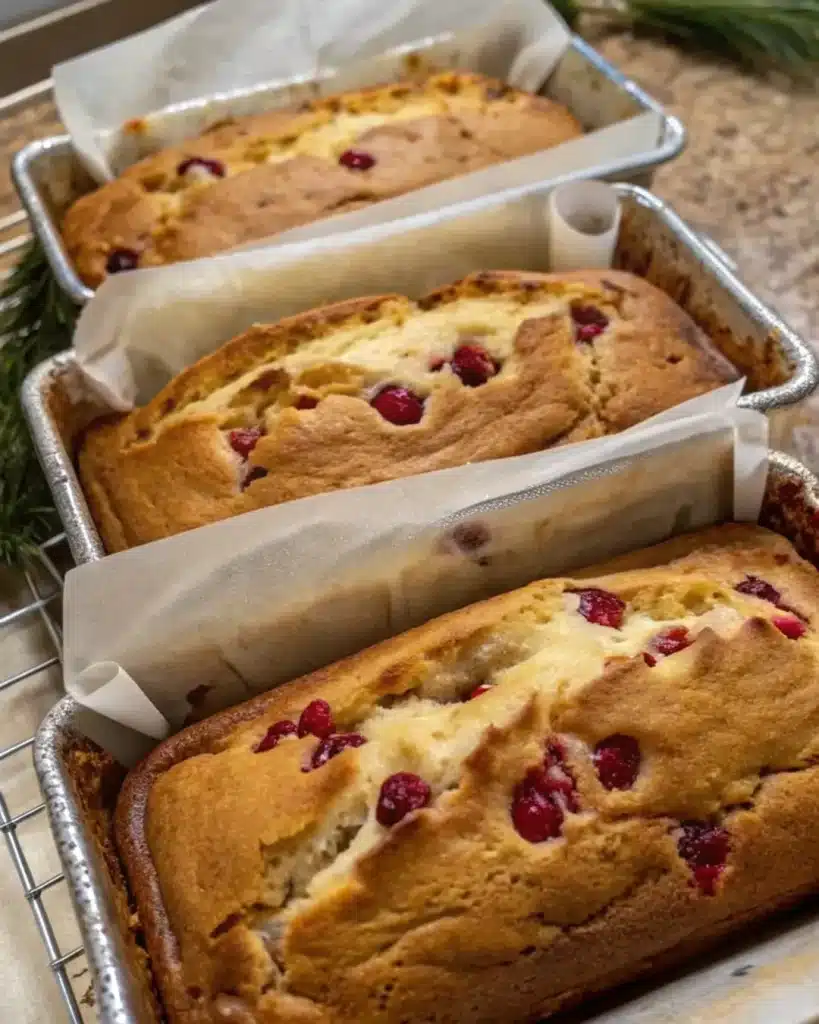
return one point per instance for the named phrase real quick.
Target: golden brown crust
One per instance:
(281, 169)
(168, 466)
(452, 916)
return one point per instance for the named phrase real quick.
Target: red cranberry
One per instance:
(479, 691)
(306, 402)
(276, 732)
(707, 877)
(790, 626)
(789, 490)
(471, 536)
(121, 259)
(649, 659)
(399, 406)
(244, 440)
(333, 745)
(677, 638)
(589, 321)
(317, 720)
(356, 160)
(214, 167)
(705, 848)
(537, 816)
(256, 473)
(600, 607)
(756, 587)
(617, 760)
(588, 332)
(473, 365)
(400, 794)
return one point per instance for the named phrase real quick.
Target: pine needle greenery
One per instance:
(36, 321)
(782, 35)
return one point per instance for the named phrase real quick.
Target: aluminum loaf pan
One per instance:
(653, 242)
(49, 177)
(760, 975)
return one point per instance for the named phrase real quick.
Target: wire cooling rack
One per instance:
(38, 613)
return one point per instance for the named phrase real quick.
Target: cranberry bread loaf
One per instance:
(499, 813)
(371, 389)
(259, 175)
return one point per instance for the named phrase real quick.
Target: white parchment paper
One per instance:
(235, 57)
(228, 56)
(204, 619)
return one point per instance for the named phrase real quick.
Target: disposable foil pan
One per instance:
(49, 176)
(766, 974)
(780, 368)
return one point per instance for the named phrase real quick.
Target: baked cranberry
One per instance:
(399, 406)
(121, 259)
(244, 440)
(317, 720)
(255, 473)
(789, 490)
(707, 876)
(589, 321)
(479, 691)
(705, 848)
(536, 815)
(275, 733)
(649, 659)
(756, 587)
(472, 536)
(333, 745)
(555, 752)
(617, 760)
(677, 638)
(790, 626)
(600, 606)
(400, 794)
(356, 160)
(473, 365)
(306, 402)
(200, 163)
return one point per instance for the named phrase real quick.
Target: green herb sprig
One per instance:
(37, 321)
(762, 34)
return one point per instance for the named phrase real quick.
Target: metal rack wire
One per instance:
(43, 582)
(22, 820)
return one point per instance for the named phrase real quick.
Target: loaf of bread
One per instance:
(499, 813)
(376, 388)
(256, 176)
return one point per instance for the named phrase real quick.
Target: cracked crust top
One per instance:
(260, 175)
(305, 389)
(275, 895)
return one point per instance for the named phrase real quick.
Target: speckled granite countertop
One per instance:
(750, 175)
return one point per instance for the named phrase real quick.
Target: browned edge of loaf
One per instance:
(96, 779)
(101, 453)
(131, 811)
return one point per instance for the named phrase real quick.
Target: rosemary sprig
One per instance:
(783, 34)
(36, 321)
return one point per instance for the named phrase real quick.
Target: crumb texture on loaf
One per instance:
(259, 175)
(500, 812)
(498, 364)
